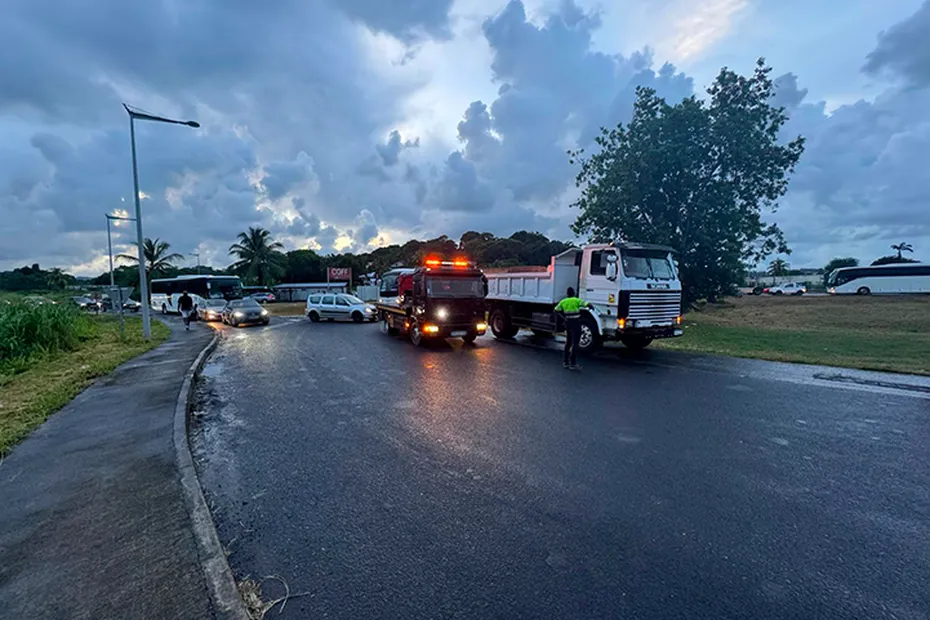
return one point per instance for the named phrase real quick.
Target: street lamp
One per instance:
(197, 254)
(122, 327)
(143, 283)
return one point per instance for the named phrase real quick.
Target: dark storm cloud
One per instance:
(904, 49)
(390, 151)
(555, 93)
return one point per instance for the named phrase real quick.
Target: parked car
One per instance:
(243, 311)
(132, 305)
(339, 306)
(263, 297)
(789, 288)
(211, 310)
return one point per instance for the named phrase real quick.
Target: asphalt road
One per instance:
(487, 482)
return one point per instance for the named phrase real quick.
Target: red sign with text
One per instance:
(340, 273)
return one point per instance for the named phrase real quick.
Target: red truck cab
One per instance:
(441, 299)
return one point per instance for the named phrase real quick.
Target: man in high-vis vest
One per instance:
(570, 309)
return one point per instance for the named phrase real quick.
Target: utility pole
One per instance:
(122, 323)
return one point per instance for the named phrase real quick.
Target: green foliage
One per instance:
(777, 267)
(34, 278)
(28, 330)
(260, 256)
(892, 260)
(696, 176)
(902, 247)
(158, 261)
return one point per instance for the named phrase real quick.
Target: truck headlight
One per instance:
(442, 313)
(482, 327)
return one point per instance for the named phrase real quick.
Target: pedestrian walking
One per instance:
(570, 310)
(186, 306)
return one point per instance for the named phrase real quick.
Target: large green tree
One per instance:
(158, 260)
(696, 176)
(260, 256)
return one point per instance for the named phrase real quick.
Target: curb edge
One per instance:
(220, 582)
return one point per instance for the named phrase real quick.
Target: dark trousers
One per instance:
(572, 336)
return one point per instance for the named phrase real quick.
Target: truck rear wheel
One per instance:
(501, 326)
(636, 343)
(590, 340)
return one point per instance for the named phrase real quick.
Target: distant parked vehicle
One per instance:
(211, 309)
(244, 311)
(263, 297)
(894, 279)
(132, 305)
(339, 306)
(789, 288)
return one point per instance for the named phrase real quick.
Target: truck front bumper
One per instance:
(649, 332)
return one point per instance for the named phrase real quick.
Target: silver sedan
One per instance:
(339, 306)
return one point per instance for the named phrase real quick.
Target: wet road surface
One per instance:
(487, 482)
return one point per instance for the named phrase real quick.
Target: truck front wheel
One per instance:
(501, 325)
(636, 343)
(415, 336)
(590, 340)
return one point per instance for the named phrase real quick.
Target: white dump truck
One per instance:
(633, 289)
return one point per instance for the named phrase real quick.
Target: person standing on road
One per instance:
(186, 306)
(570, 310)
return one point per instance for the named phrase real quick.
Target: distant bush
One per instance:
(30, 330)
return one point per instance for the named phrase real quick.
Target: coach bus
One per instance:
(165, 292)
(898, 278)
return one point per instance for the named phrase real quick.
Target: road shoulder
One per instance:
(95, 521)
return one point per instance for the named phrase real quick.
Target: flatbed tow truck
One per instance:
(441, 299)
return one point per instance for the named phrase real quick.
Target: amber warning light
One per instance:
(458, 263)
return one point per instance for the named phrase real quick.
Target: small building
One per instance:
(300, 291)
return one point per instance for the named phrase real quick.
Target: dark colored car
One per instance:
(244, 311)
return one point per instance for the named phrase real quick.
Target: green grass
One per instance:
(873, 333)
(36, 386)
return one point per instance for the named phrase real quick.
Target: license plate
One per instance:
(459, 334)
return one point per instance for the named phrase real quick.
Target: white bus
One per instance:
(165, 292)
(898, 278)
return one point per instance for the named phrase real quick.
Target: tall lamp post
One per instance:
(143, 283)
(197, 254)
(122, 327)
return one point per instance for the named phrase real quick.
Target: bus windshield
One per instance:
(454, 287)
(224, 288)
(644, 264)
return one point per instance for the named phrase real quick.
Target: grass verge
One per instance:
(871, 333)
(29, 397)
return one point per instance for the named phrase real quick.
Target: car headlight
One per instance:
(369, 309)
(237, 314)
(264, 312)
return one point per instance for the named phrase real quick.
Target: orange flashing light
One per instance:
(461, 263)
(431, 329)
(621, 323)
(433, 262)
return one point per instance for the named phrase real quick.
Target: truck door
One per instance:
(593, 282)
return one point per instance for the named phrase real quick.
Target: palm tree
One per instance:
(777, 267)
(157, 258)
(259, 255)
(902, 247)
(57, 279)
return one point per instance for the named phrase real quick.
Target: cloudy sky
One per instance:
(346, 124)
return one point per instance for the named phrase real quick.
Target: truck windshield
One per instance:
(454, 287)
(647, 264)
